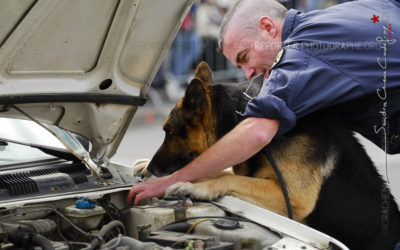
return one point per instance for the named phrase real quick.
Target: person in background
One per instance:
(208, 19)
(184, 52)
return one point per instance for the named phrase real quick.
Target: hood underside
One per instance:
(84, 66)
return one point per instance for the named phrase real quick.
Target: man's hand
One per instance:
(152, 188)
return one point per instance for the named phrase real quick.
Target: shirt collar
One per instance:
(289, 24)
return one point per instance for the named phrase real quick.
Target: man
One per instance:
(345, 56)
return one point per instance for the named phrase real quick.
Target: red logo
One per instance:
(375, 19)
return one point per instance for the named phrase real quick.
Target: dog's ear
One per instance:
(195, 96)
(203, 72)
(256, 84)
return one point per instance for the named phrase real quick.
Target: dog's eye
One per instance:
(168, 130)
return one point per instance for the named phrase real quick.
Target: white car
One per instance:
(72, 75)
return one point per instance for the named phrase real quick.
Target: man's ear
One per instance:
(267, 26)
(195, 96)
(203, 72)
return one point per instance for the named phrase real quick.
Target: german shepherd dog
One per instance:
(332, 184)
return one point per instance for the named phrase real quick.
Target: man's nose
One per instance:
(249, 72)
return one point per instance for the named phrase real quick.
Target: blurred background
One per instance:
(197, 41)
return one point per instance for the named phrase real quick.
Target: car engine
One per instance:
(59, 204)
(103, 223)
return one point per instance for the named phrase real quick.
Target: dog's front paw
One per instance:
(140, 168)
(194, 191)
(180, 189)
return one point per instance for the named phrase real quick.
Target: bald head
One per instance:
(245, 15)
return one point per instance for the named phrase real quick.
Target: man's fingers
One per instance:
(139, 197)
(152, 188)
(133, 192)
(130, 196)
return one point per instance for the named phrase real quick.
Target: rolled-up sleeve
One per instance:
(299, 85)
(272, 107)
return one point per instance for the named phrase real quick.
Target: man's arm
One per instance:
(245, 140)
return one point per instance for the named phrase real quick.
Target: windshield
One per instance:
(25, 132)
(12, 153)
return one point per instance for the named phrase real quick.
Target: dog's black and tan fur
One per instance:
(332, 184)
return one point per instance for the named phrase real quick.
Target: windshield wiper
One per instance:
(57, 152)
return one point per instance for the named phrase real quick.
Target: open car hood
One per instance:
(84, 66)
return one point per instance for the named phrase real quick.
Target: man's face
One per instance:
(255, 53)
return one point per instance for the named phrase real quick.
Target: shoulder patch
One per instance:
(278, 57)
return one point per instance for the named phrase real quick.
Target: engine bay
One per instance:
(106, 223)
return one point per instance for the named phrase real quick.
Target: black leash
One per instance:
(281, 182)
(271, 160)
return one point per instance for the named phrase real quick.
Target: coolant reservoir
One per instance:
(160, 213)
(87, 219)
(244, 235)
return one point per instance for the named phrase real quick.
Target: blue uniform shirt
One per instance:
(339, 57)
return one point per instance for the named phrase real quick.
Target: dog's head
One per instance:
(189, 128)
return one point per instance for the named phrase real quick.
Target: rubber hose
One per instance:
(42, 241)
(106, 228)
(103, 231)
